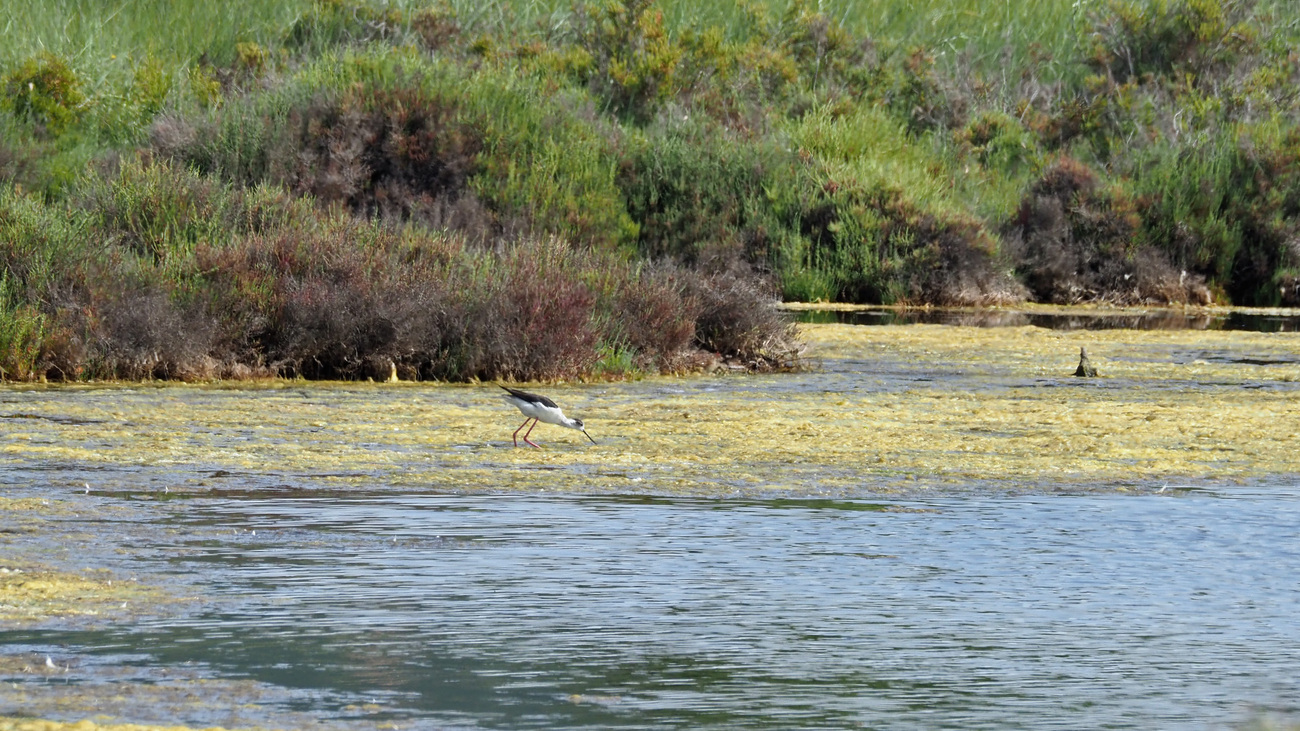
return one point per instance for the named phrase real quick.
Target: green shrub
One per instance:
(1167, 38)
(548, 162)
(884, 224)
(1227, 210)
(156, 209)
(333, 23)
(921, 98)
(812, 280)
(634, 60)
(997, 141)
(46, 92)
(44, 252)
(697, 192)
(151, 82)
(40, 245)
(204, 87)
(22, 333)
(389, 134)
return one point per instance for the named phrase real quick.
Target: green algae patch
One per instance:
(47, 543)
(27, 724)
(111, 697)
(890, 409)
(34, 509)
(31, 595)
(1207, 405)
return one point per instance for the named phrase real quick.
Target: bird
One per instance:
(539, 408)
(1086, 369)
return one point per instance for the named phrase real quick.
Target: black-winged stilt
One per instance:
(539, 408)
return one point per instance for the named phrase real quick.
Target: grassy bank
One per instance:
(342, 188)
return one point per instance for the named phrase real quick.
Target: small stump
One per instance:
(1086, 369)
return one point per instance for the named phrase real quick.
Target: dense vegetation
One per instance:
(342, 188)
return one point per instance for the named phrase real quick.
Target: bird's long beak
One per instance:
(584, 432)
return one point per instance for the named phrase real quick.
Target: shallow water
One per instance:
(1176, 610)
(936, 528)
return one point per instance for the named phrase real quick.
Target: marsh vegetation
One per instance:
(348, 188)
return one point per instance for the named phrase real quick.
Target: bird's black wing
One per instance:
(532, 397)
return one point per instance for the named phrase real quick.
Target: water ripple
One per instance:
(525, 612)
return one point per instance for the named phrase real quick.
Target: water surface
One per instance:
(1269, 321)
(1175, 610)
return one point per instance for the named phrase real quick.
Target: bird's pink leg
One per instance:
(530, 431)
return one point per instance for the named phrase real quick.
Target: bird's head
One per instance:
(577, 424)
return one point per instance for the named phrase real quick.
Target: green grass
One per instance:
(106, 39)
(107, 42)
(951, 27)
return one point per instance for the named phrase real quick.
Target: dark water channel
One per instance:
(1173, 610)
(1155, 319)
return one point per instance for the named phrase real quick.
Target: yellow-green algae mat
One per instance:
(31, 592)
(27, 724)
(1202, 405)
(892, 408)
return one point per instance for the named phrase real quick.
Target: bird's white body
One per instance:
(540, 411)
(539, 408)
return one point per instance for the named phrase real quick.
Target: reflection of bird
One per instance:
(1086, 368)
(539, 408)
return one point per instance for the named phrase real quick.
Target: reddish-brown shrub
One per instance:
(141, 333)
(655, 314)
(739, 319)
(1075, 239)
